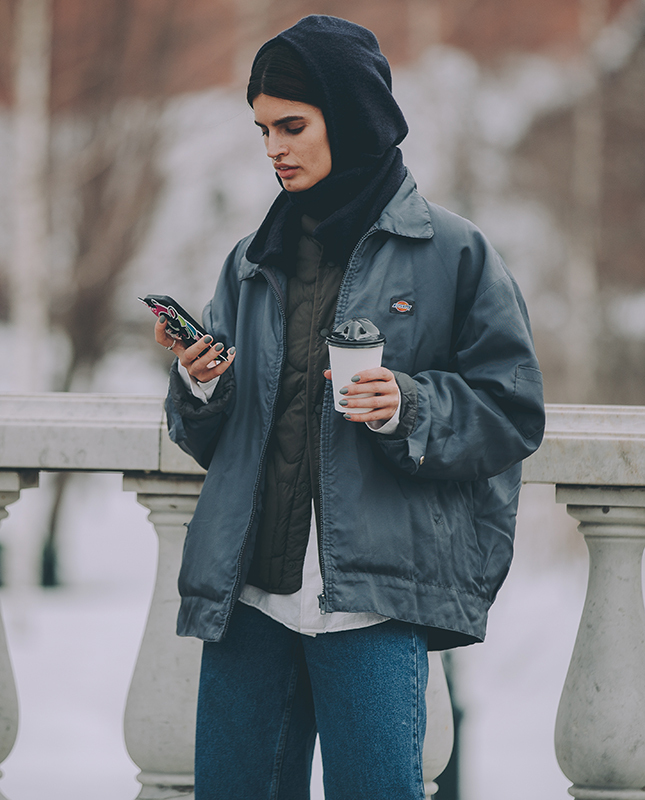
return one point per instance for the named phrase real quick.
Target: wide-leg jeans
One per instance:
(266, 691)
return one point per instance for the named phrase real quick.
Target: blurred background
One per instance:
(129, 164)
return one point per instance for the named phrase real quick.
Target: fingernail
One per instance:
(219, 347)
(231, 351)
(208, 339)
(344, 390)
(211, 365)
(343, 402)
(356, 378)
(347, 416)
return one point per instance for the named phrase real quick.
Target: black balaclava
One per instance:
(364, 127)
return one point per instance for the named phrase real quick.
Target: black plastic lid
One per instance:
(357, 332)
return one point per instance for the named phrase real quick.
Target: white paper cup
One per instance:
(345, 363)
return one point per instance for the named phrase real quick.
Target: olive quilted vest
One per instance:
(293, 456)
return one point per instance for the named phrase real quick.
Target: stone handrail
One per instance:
(88, 432)
(594, 454)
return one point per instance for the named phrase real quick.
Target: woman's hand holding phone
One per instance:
(200, 359)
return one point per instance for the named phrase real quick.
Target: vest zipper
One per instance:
(277, 291)
(322, 598)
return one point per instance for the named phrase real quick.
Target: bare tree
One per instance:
(586, 192)
(116, 183)
(29, 271)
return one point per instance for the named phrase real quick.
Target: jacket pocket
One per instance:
(528, 411)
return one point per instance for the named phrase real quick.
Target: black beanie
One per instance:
(355, 83)
(364, 126)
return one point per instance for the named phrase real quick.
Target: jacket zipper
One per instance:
(322, 598)
(277, 291)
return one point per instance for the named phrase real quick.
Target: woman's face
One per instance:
(296, 140)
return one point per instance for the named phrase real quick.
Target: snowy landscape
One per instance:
(74, 649)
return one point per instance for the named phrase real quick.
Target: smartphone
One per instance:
(180, 324)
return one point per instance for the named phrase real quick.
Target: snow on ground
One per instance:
(74, 649)
(510, 686)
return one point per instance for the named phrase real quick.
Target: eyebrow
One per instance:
(281, 121)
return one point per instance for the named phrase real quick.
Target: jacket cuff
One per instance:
(191, 407)
(408, 408)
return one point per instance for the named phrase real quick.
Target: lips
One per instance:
(285, 170)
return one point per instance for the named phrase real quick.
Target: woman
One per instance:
(328, 551)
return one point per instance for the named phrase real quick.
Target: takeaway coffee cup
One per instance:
(354, 345)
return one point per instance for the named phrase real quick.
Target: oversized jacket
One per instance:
(416, 527)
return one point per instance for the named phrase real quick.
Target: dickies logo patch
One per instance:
(400, 306)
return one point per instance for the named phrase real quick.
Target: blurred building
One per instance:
(526, 117)
(206, 43)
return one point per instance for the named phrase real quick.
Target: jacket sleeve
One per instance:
(485, 411)
(193, 425)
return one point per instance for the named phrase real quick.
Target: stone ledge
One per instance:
(590, 445)
(76, 432)
(584, 445)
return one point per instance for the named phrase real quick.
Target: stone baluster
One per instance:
(437, 747)
(600, 727)
(161, 706)
(11, 484)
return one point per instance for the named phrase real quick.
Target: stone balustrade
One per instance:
(594, 455)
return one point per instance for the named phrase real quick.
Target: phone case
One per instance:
(180, 323)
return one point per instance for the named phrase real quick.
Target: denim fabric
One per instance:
(265, 692)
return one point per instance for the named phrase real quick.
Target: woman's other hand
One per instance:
(200, 359)
(385, 399)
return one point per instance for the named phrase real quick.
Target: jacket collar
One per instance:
(407, 214)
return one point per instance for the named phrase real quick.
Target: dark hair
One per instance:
(280, 72)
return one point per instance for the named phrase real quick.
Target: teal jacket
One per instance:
(418, 525)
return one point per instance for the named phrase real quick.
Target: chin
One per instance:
(294, 185)
(298, 186)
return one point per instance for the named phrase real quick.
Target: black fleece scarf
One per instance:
(364, 126)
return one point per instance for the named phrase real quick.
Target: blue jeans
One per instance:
(265, 692)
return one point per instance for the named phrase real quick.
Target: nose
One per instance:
(276, 146)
